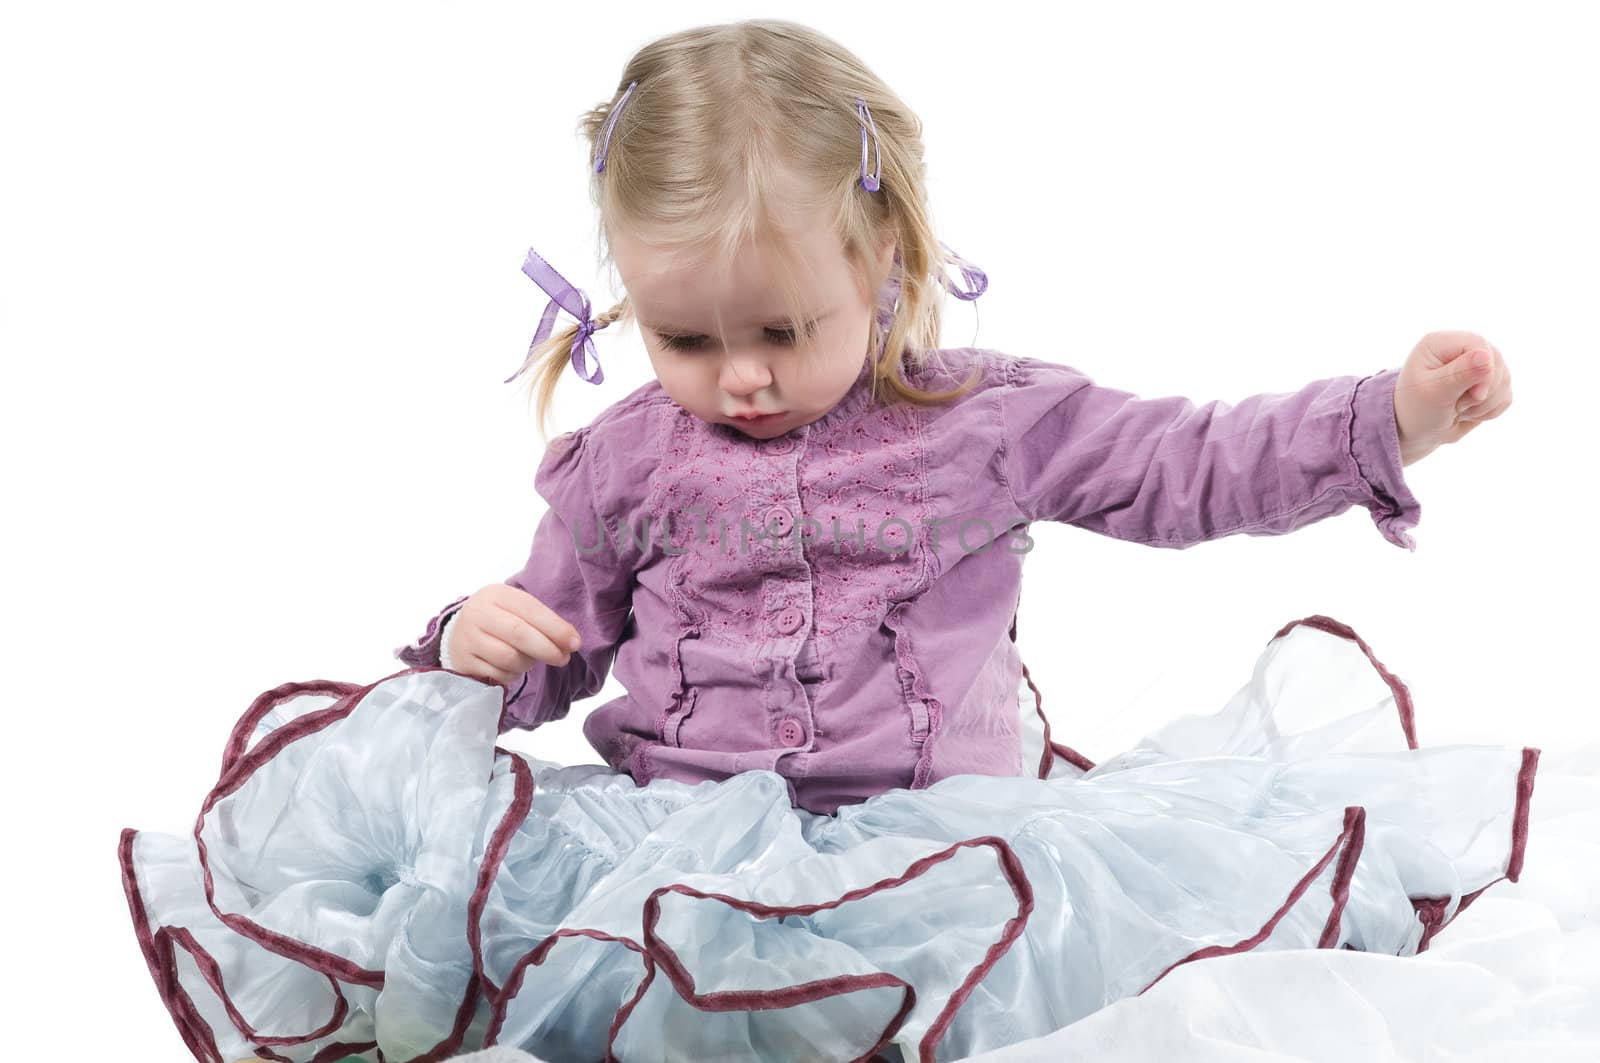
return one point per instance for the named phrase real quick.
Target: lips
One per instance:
(754, 416)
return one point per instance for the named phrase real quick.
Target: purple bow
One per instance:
(889, 295)
(563, 296)
(974, 276)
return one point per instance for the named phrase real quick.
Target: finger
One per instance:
(475, 665)
(541, 617)
(519, 642)
(1473, 374)
(497, 655)
(1497, 376)
(1485, 412)
(1491, 407)
(1445, 346)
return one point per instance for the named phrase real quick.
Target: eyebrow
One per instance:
(672, 330)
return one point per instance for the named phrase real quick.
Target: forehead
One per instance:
(683, 289)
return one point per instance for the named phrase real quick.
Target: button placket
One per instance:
(778, 520)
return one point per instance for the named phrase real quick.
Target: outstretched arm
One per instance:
(1166, 472)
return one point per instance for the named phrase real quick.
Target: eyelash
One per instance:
(787, 337)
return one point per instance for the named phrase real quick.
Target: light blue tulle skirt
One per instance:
(372, 876)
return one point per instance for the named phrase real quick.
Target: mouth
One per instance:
(757, 418)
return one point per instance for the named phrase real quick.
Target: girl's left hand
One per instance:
(1451, 383)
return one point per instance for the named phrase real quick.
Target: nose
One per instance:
(744, 374)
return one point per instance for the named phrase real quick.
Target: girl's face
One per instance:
(764, 363)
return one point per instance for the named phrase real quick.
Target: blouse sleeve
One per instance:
(572, 568)
(1166, 472)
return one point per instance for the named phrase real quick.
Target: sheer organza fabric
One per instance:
(372, 873)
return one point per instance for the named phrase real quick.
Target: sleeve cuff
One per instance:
(444, 643)
(1375, 448)
(424, 652)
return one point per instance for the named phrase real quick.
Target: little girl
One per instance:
(818, 835)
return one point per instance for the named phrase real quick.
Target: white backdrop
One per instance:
(260, 273)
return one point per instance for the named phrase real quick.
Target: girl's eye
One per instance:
(784, 337)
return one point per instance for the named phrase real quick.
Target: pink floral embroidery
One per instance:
(857, 539)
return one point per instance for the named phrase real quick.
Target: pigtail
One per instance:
(551, 360)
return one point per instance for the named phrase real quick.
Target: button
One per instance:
(790, 732)
(778, 520)
(780, 445)
(788, 621)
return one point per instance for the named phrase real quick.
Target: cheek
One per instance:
(848, 339)
(682, 379)
(661, 362)
(847, 346)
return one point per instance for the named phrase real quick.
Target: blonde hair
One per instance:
(733, 128)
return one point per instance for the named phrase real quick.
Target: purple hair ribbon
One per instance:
(563, 296)
(977, 278)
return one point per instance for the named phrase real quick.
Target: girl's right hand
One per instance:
(501, 632)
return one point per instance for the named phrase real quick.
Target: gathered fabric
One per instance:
(373, 876)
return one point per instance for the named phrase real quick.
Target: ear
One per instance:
(886, 249)
(884, 260)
